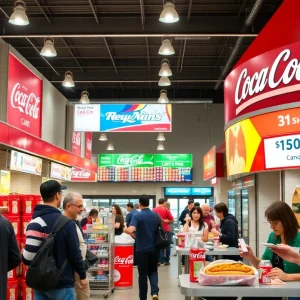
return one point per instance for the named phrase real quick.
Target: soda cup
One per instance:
(216, 241)
(264, 268)
(197, 260)
(181, 240)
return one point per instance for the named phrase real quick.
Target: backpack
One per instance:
(161, 240)
(42, 273)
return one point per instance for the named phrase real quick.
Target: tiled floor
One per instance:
(168, 285)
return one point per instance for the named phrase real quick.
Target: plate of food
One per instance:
(222, 246)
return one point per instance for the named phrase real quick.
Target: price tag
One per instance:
(282, 151)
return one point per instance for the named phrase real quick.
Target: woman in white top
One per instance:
(196, 224)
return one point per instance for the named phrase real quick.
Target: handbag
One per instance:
(161, 240)
(90, 259)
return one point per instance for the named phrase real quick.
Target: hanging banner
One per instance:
(76, 143)
(4, 182)
(25, 163)
(123, 117)
(88, 145)
(80, 175)
(60, 172)
(24, 97)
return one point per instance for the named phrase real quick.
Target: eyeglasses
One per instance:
(274, 223)
(78, 206)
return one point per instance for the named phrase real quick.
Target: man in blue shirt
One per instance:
(145, 224)
(131, 211)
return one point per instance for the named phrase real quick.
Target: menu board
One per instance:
(145, 167)
(173, 167)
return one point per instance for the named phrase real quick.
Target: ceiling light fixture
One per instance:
(19, 17)
(48, 49)
(110, 147)
(84, 98)
(160, 146)
(163, 99)
(165, 68)
(169, 13)
(164, 81)
(68, 81)
(166, 48)
(103, 137)
(161, 137)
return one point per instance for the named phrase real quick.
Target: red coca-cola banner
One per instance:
(24, 97)
(82, 175)
(88, 145)
(76, 143)
(265, 81)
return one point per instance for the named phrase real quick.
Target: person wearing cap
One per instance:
(66, 247)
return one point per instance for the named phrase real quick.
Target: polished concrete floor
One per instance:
(168, 285)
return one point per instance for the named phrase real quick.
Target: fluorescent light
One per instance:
(48, 49)
(160, 146)
(19, 17)
(169, 13)
(161, 137)
(103, 137)
(164, 81)
(84, 98)
(165, 68)
(166, 48)
(68, 81)
(163, 99)
(110, 147)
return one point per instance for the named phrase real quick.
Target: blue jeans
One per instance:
(59, 294)
(147, 267)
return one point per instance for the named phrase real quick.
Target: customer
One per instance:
(137, 207)
(207, 217)
(229, 228)
(285, 228)
(196, 224)
(92, 217)
(73, 207)
(287, 252)
(10, 256)
(166, 218)
(66, 246)
(131, 211)
(186, 212)
(145, 224)
(171, 225)
(119, 219)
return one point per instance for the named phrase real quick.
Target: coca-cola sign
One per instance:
(88, 145)
(82, 175)
(24, 97)
(123, 266)
(268, 80)
(124, 260)
(76, 143)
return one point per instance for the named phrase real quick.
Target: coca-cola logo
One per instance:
(124, 260)
(25, 103)
(76, 138)
(133, 160)
(199, 255)
(276, 79)
(80, 174)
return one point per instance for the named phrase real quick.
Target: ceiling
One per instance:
(111, 46)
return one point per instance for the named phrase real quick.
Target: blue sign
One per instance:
(197, 191)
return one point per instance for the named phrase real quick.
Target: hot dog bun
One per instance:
(229, 269)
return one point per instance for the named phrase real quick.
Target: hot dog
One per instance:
(229, 269)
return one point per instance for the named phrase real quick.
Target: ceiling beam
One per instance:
(142, 13)
(189, 10)
(182, 59)
(141, 81)
(94, 11)
(43, 12)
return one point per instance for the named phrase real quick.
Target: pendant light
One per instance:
(48, 49)
(165, 68)
(84, 98)
(169, 13)
(110, 147)
(160, 146)
(103, 137)
(166, 48)
(163, 99)
(68, 81)
(161, 137)
(19, 17)
(164, 81)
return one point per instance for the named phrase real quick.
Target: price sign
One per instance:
(282, 151)
(87, 117)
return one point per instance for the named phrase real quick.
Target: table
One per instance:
(194, 289)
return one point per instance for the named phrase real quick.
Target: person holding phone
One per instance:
(285, 228)
(287, 253)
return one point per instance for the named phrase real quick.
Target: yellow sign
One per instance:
(4, 182)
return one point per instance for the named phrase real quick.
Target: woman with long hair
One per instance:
(119, 219)
(285, 228)
(93, 216)
(196, 224)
